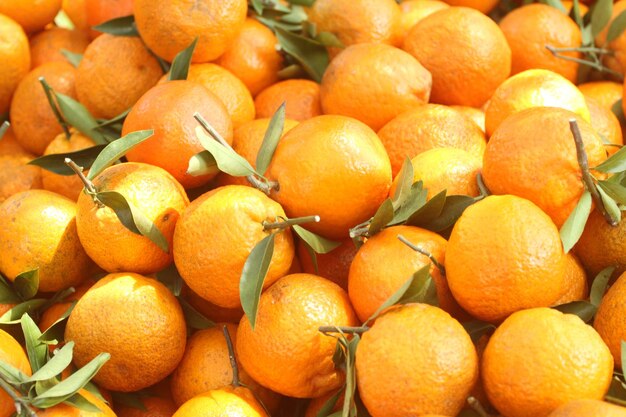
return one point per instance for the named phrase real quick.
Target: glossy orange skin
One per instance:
(334, 265)
(422, 349)
(68, 186)
(38, 230)
(374, 83)
(76, 10)
(604, 121)
(155, 407)
(233, 402)
(47, 46)
(466, 53)
(415, 10)
(530, 28)
(138, 321)
(609, 319)
(588, 408)
(301, 98)
(33, 121)
(504, 255)
(602, 245)
(11, 352)
(174, 141)
(576, 286)
(542, 168)
(168, 26)
(298, 363)
(107, 241)
(32, 15)
(428, 127)
(15, 175)
(483, 6)
(475, 114)
(606, 93)
(556, 375)
(15, 55)
(252, 56)
(215, 236)
(114, 73)
(100, 11)
(334, 167)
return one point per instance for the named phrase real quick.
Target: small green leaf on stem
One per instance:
(193, 317)
(270, 140)
(36, 350)
(56, 162)
(453, 207)
(77, 115)
(583, 309)
(429, 211)
(598, 287)
(253, 276)
(618, 111)
(614, 189)
(180, 66)
(312, 55)
(617, 27)
(610, 206)
(556, 4)
(7, 293)
(615, 163)
(318, 243)
(72, 57)
(328, 406)
(26, 284)
(56, 332)
(115, 150)
(227, 159)
(79, 401)
(257, 5)
(476, 329)
(14, 315)
(601, 16)
(202, 163)
(404, 182)
(120, 26)
(3, 128)
(170, 277)
(573, 227)
(56, 365)
(384, 215)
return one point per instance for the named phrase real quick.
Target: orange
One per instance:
(301, 98)
(215, 236)
(168, 109)
(588, 408)
(316, 404)
(334, 265)
(226, 401)
(576, 287)
(617, 60)
(68, 186)
(135, 319)
(466, 53)
(168, 26)
(210, 310)
(247, 140)
(147, 188)
(206, 366)
(476, 115)
(423, 350)
(334, 167)
(47, 46)
(32, 15)
(253, 57)
(64, 410)
(55, 311)
(569, 5)
(76, 10)
(602, 245)
(228, 88)
(384, 263)
(374, 83)
(483, 6)
(540, 167)
(33, 121)
(155, 407)
(608, 321)
(11, 352)
(114, 73)
(100, 11)
(533, 88)
(557, 374)
(415, 10)
(299, 363)
(38, 230)
(15, 175)
(529, 29)
(607, 125)
(358, 21)
(450, 169)
(504, 255)
(15, 57)
(606, 93)
(428, 127)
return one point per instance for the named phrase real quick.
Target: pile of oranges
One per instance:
(312, 208)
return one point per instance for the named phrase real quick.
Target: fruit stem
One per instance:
(231, 355)
(343, 329)
(477, 406)
(4, 127)
(593, 64)
(20, 403)
(423, 252)
(53, 105)
(285, 223)
(263, 185)
(583, 162)
(89, 187)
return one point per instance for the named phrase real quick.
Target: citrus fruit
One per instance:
(606, 93)
(334, 265)
(576, 286)
(11, 352)
(301, 98)
(608, 320)
(602, 245)
(32, 15)
(604, 121)
(101, 11)
(15, 174)
(588, 408)
(155, 407)
(415, 10)
(48, 45)
(221, 402)
(15, 55)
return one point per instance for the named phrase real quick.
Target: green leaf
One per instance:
(556, 4)
(132, 218)
(616, 163)
(193, 317)
(78, 116)
(131, 400)
(610, 205)
(11, 374)
(312, 55)
(75, 382)
(170, 277)
(477, 329)
(119, 119)
(348, 397)
(115, 150)
(573, 227)
(318, 243)
(328, 406)
(484, 191)
(91, 388)
(414, 202)
(614, 190)
(3, 128)
(57, 364)
(329, 40)
(601, 16)
(617, 27)
(253, 276)
(72, 57)
(120, 26)
(618, 111)
(82, 403)
(26, 284)
(36, 350)
(202, 163)
(453, 208)
(257, 5)
(583, 309)
(270, 140)
(180, 66)
(227, 159)
(384, 215)
(600, 282)
(56, 332)
(617, 392)
(404, 183)
(7, 294)
(56, 162)
(62, 20)
(429, 211)
(14, 315)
